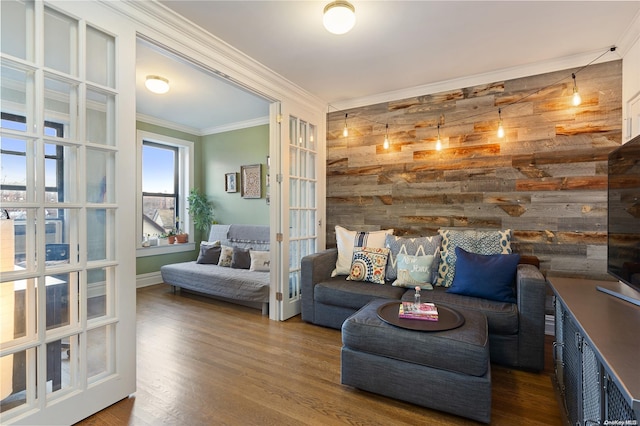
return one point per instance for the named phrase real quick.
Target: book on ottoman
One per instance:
(423, 311)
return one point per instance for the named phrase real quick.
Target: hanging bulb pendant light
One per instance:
(385, 145)
(500, 128)
(577, 100)
(345, 131)
(438, 142)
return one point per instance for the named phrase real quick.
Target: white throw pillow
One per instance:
(260, 260)
(346, 240)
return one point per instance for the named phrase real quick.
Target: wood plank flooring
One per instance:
(207, 362)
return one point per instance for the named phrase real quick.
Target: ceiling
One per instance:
(394, 45)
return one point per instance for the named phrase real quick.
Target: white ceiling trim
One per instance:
(184, 37)
(474, 80)
(168, 124)
(203, 132)
(236, 126)
(630, 36)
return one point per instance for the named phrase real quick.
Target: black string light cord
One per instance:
(441, 118)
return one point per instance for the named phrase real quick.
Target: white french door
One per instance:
(67, 271)
(299, 191)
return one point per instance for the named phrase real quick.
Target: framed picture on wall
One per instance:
(251, 176)
(230, 182)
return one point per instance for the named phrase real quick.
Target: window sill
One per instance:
(164, 249)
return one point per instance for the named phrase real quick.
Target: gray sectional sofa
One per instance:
(240, 285)
(516, 330)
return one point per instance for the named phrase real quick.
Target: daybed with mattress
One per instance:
(232, 265)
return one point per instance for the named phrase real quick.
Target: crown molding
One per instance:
(160, 25)
(629, 37)
(478, 79)
(168, 124)
(236, 126)
(206, 131)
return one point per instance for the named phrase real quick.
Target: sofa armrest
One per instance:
(531, 293)
(315, 268)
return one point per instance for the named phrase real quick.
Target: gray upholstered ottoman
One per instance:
(445, 370)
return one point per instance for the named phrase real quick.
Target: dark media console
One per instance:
(596, 353)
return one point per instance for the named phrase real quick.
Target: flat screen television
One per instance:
(623, 221)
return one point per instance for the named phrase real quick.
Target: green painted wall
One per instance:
(225, 153)
(216, 155)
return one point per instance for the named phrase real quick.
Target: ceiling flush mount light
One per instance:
(157, 84)
(576, 96)
(339, 17)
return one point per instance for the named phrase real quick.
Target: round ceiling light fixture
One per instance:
(157, 84)
(339, 17)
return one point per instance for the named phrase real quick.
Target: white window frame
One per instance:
(186, 179)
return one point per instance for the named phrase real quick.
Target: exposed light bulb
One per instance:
(438, 142)
(345, 131)
(339, 17)
(500, 128)
(577, 100)
(385, 145)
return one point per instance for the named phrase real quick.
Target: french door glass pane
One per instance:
(61, 368)
(99, 292)
(293, 161)
(101, 178)
(100, 116)
(16, 95)
(100, 229)
(98, 342)
(18, 240)
(14, 168)
(61, 174)
(312, 138)
(60, 42)
(12, 393)
(100, 57)
(17, 19)
(58, 294)
(60, 104)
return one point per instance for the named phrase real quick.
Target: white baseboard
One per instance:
(145, 280)
(550, 325)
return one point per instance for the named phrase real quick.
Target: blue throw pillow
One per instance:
(487, 276)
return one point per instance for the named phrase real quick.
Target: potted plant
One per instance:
(171, 236)
(181, 236)
(201, 210)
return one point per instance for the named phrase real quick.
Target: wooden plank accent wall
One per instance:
(546, 179)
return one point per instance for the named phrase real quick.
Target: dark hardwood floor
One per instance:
(206, 362)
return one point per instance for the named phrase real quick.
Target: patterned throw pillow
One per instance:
(369, 264)
(260, 261)
(480, 242)
(347, 240)
(226, 256)
(421, 246)
(415, 271)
